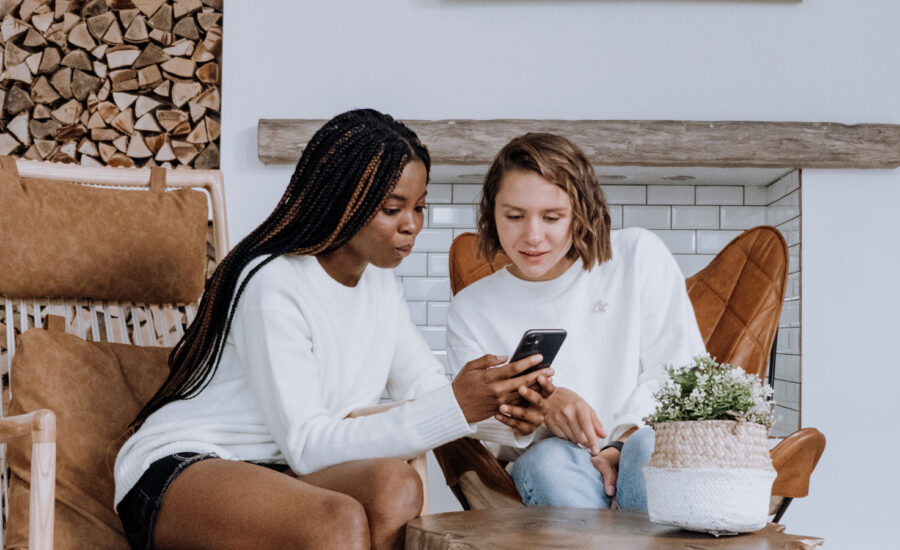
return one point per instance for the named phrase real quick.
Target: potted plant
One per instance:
(710, 470)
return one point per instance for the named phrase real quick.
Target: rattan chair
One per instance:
(737, 299)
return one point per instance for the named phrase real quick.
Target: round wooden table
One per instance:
(535, 528)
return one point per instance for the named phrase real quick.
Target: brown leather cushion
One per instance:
(95, 389)
(467, 266)
(64, 240)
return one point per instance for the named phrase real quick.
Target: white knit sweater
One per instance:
(626, 319)
(304, 351)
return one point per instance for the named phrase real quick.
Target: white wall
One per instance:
(828, 60)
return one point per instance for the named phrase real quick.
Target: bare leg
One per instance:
(223, 504)
(389, 489)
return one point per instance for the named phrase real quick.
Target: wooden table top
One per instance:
(535, 528)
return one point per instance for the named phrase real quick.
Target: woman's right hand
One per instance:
(481, 389)
(570, 417)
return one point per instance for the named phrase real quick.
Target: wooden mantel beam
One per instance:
(729, 144)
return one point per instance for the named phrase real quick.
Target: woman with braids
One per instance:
(247, 444)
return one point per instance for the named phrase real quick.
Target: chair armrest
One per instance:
(41, 426)
(794, 459)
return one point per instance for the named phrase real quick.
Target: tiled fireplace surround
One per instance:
(695, 221)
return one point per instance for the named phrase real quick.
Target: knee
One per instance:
(347, 526)
(542, 462)
(639, 447)
(398, 491)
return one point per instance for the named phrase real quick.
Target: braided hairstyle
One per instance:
(349, 166)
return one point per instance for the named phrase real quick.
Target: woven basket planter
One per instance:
(710, 475)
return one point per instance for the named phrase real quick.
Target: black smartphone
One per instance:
(544, 341)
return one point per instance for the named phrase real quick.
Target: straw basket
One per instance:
(710, 475)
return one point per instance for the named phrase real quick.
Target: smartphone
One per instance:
(544, 341)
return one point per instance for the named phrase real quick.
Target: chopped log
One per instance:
(7, 7)
(155, 142)
(119, 160)
(84, 118)
(90, 161)
(148, 7)
(208, 19)
(124, 122)
(121, 143)
(104, 134)
(137, 149)
(147, 124)
(100, 69)
(92, 102)
(113, 34)
(81, 37)
(77, 59)
(41, 130)
(182, 92)
(201, 54)
(87, 147)
(100, 51)
(44, 147)
(84, 84)
(59, 156)
(106, 151)
(70, 21)
(41, 112)
(179, 66)
(208, 159)
(118, 5)
(28, 7)
(162, 19)
(62, 81)
(68, 113)
(184, 151)
(181, 48)
(94, 8)
(96, 121)
(33, 61)
(2, 98)
(42, 21)
(213, 128)
(17, 100)
(11, 28)
(213, 40)
(8, 144)
(209, 99)
(57, 35)
(105, 90)
(163, 89)
(19, 128)
(33, 39)
(65, 133)
(184, 7)
(165, 153)
(163, 37)
(124, 80)
(209, 73)
(214, 4)
(108, 111)
(42, 91)
(49, 61)
(122, 56)
(137, 31)
(151, 55)
(186, 28)
(68, 148)
(144, 105)
(197, 111)
(19, 72)
(14, 55)
(149, 77)
(31, 154)
(171, 118)
(127, 16)
(123, 100)
(99, 24)
(198, 134)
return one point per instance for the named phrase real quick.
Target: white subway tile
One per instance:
(678, 242)
(433, 240)
(427, 288)
(791, 231)
(783, 209)
(742, 217)
(451, 216)
(787, 367)
(615, 216)
(418, 312)
(441, 356)
(712, 242)
(625, 194)
(787, 421)
(755, 195)
(794, 258)
(438, 265)
(415, 264)
(670, 194)
(790, 314)
(692, 263)
(788, 339)
(793, 286)
(435, 336)
(437, 313)
(466, 194)
(782, 187)
(720, 194)
(695, 217)
(439, 193)
(649, 217)
(787, 394)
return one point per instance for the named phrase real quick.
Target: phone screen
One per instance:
(544, 341)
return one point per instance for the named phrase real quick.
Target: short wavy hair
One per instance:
(565, 165)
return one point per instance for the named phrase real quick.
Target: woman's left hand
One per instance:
(607, 463)
(528, 414)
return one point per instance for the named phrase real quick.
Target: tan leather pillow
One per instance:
(95, 389)
(64, 240)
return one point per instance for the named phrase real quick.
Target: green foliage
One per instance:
(707, 390)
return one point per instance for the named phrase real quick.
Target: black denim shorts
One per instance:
(139, 509)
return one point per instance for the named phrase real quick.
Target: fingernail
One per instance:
(537, 358)
(504, 408)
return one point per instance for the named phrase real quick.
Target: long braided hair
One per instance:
(349, 166)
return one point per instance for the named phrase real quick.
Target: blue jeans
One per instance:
(555, 472)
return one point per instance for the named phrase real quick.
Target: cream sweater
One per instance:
(304, 351)
(626, 319)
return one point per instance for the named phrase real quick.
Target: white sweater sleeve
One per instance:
(276, 346)
(668, 333)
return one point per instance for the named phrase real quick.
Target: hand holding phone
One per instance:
(544, 341)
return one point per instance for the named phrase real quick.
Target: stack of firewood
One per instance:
(111, 82)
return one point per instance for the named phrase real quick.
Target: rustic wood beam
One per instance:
(729, 144)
